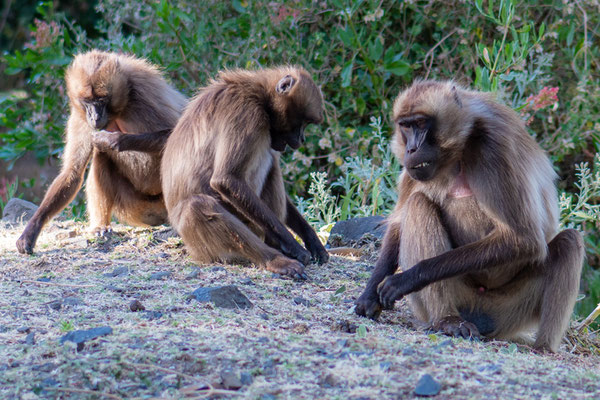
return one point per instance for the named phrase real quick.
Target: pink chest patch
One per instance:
(460, 188)
(115, 126)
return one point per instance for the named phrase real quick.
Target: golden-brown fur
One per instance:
(121, 93)
(221, 179)
(475, 227)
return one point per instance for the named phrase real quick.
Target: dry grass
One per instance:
(289, 350)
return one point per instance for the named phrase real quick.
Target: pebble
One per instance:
(119, 271)
(157, 276)
(427, 386)
(136, 305)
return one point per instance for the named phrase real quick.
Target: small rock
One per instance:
(81, 336)
(55, 305)
(114, 288)
(345, 326)
(218, 269)
(222, 296)
(43, 279)
(18, 210)
(4, 328)
(264, 316)
(119, 271)
(441, 345)
(275, 275)
(230, 379)
(408, 351)
(30, 338)
(136, 305)
(301, 301)
(427, 386)
(194, 274)
(330, 380)
(263, 339)
(246, 378)
(24, 329)
(152, 315)
(72, 301)
(385, 365)
(490, 368)
(49, 382)
(164, 234)
(355, 228)
(247, 281)
(65, 235)
(157, 276)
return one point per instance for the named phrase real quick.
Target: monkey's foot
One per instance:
(457, 327)
(368, 306)
(102, 231)
(286, 266)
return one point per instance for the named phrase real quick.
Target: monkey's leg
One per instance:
(423, 237)
(562, 273)
(212, 233)
(63, 189)
(100, 192)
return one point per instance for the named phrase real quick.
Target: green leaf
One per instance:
(398, 67)
(361, 332)
(237, 5)
(341, 290)
(347, 73)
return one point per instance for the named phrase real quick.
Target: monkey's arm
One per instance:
(296, 221)
(147, 142)
(78, 151)
(368, 304)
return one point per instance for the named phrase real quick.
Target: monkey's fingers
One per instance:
(286, 266)
(389, 292)
(25, 244)
(368, 306)
(319, 254)
(106, 140)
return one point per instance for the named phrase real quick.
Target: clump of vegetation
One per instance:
(539, 59)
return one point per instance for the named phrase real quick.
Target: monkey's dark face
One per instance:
(422, 153)
(291, 116)
(96, 112)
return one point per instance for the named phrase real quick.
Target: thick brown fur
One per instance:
(475, 228)
(118, 93)
(222, 182)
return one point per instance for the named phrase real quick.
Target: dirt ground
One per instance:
(301, 340)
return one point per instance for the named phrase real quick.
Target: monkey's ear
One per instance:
(456, 97)
(285, 84)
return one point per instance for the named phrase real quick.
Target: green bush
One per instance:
(538, 58)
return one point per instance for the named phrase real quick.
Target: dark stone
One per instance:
(114, 288)
(152, 315)
(18, 210)
(82, 336)
(231, 379)
(46, 367)
(30, 338)
(222, 296)
(441, 345)
(484, 323)
(263, 339)
(345, 326)
(218, 269)
(72, 301)
(352, 230)
(408, 351)
(427, 386)
(164, 234)
(43, 279)
(24, 329)
(119, 271)
(490, 368)
(157, 276)
(194, 274)
(301, 301)
(4, 328)
(49, 382)
(247, 281)
(136, 305)
(385, 365)
(246, 378)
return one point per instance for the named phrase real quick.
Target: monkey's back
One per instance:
(217, 118)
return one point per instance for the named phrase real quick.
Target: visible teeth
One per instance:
(423, 164)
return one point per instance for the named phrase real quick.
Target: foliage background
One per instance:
(541, 59)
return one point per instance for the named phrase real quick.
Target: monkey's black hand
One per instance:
(107, 141)
(393, 288)
(368, 305)
(296, 251)
(318, 252)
